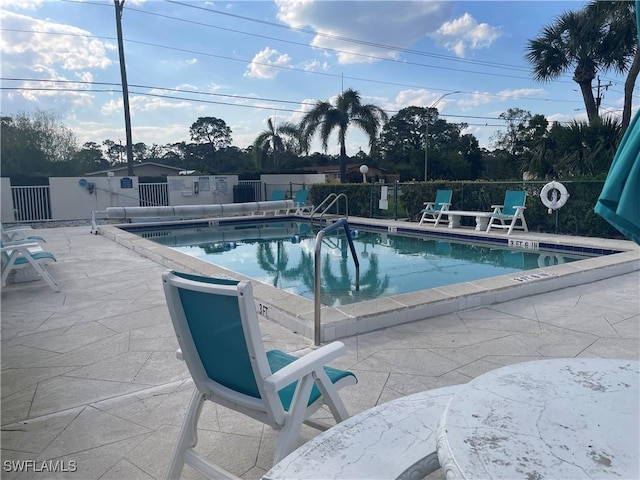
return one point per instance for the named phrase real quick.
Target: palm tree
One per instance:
(574, 39)
(324, 117)
(277, 140)
(618, 20)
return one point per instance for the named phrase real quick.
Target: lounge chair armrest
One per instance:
(497, 206)
(17, 229)
(304, 365)
(445, 206)
(20, 246)
(23, 242)
(426, 204)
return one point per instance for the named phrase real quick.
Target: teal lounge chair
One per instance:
(300, 206)
(217, 327)
(507, 215)
(29, 258)
(13, 234)
(277, 195)
(433, 211)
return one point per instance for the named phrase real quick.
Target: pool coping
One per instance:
(296, 313)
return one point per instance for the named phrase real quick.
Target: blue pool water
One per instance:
(282, 254)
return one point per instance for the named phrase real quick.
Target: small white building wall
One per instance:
(201, 190)
(72, 201)
(296, 180)
(6, 201)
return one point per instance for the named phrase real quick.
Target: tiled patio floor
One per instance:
(89, 374)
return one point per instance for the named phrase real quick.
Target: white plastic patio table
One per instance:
(561, 418)
(394, 440)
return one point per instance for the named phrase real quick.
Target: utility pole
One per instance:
(600, 94)
(426, 131)
(119, 4)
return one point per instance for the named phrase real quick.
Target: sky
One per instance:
(247, 61)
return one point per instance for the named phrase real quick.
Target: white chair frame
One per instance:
(307, 371)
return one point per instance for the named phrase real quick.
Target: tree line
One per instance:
(600, 37)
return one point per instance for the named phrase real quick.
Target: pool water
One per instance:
(282, 254)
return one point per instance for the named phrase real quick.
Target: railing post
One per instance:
(317, 333)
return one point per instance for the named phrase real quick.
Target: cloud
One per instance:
(315, 65)
(373, 23)
(476, 98)
(420, 98)
(260, 66)
(466, 33)
(22, 4)
(50, 44)
(141, 103)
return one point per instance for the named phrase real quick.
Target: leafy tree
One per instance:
(116, 152)
(575, 40)
(513, 139)
(36, 144)
(211, 131)
(89, 159)
(324, 118)
(140, 152)
(403, 140)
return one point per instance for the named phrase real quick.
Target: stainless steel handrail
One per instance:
(335, 198)
(316, 284)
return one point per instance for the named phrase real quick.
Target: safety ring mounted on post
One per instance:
(558, 198)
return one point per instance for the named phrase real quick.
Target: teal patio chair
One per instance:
(277, 195)
(28, 258)
(300, 206)
(510, 212)
(13, 234)
(433, 211)
(217, 328)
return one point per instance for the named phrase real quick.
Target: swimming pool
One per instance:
(282, 254)
(296, 313)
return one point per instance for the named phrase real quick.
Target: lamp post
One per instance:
(363, 170)
(426, 132)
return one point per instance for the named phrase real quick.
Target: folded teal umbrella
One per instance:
(619, 202)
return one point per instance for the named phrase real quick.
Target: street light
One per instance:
(426, 132)
(363, 170)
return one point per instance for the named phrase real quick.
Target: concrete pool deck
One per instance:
(89, 374)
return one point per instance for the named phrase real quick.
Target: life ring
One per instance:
(547, 260)
(559, 196)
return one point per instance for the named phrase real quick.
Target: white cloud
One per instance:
(476, 98)
(421, 98)
(51, 44)
(262, 61)
(315, 65)
(466, 33)
(139, 104)
(373, 24)
(22, 4)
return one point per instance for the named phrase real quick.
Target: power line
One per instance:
(284, 67)
(213, 102)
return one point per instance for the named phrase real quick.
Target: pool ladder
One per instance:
(317, 280)
(332, 199)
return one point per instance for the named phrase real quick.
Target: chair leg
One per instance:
(331, 396)
(290, 432)
(7, 270)
(489, 225)
(44, 274)
(188, 435)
